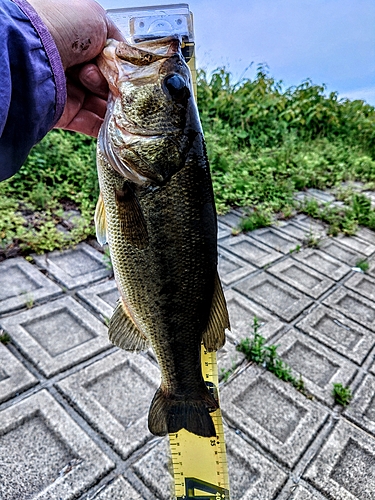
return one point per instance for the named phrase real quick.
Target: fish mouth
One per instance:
(125, 132)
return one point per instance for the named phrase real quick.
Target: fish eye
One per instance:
(176, 87)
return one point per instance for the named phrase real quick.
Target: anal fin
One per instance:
(124, 333)
(218, 321)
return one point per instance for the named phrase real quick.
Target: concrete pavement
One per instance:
(73, 408)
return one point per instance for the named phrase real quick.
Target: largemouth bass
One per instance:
(156, 210)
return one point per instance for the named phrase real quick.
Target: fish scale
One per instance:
(160, 221)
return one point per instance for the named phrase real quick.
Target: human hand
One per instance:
(80, 29)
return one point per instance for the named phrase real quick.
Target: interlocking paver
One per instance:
(80, 266)
(231, 268)
(118, 489)
(346, 254)
(102, 298)
(22, 284)
(278, 430)
(302, 492)
(353, 306)
(250, 250)
(323, 263)
(252, 475)
(223, 231)
(301, 277)
(363, 284)
(44, 454)
(319, 367)
(272, 412)
(299, 232)
(285, 301)
(231, 219)
(345, 467)
(339, 333)
(275, 239)
(114, 395)
(57, 335)
(14, 377)
(357, 244)
(361, 409)
(242, 312)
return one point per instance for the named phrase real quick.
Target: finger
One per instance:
(86, 122)
(113, 31)
(91, 77)
(96, 105)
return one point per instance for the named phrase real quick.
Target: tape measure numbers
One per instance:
(200, 464)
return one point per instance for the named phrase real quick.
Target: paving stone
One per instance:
(228, 359)
(319, 367)
(298, 231)
(80, 266)
(223, 231)
(21, 284)
(363, 284)
(275, 239)
(357, 244)
(44, 454)
(251, 475)
(320, 261)
(14, 377)
(301, 277)
(371, 269)
(353, 306)
(119, 488)
(309, 222)
(361, 409)
(366, 235)
(339, 333)
(241, 316)
(346, 254)
(102, 298)
(272, 412)
(114, 395)
(231, 219)
(231, 268)
(250, 250)
(155, 470)
(57, 335)
(306, 493)
(275, 295)
(345, 467)
(320, 195)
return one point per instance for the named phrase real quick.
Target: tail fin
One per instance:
(169, 414)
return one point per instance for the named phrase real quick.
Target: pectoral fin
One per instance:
(218, 321)
(100, 222)
(123, 331)
(132, 221)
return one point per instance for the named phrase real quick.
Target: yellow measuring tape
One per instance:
(200, 464)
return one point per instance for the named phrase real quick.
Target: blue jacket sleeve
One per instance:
(32, 83)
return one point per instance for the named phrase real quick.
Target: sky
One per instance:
(331, 42)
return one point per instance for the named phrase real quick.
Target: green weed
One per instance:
(363, 265)
(256, 350)
(341, 394)
(4, 337)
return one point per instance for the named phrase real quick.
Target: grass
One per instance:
(341, 394)
(4, 337)
(264, 143)
(363, 265)
(256, 350)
